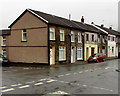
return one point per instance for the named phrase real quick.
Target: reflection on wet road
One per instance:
(94, 78)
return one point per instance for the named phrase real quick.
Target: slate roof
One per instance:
(56, 20)
(4, 32)
(110, 31)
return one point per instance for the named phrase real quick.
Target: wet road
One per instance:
(94, 78)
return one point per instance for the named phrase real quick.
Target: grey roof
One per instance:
(110, 31)
(56, 20)
(4, 32)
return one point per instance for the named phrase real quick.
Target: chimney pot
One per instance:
(92, 22)
(82, 19)
(102, 25)
(110, 28)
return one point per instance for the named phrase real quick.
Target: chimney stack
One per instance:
(82, 19)
(69, 16)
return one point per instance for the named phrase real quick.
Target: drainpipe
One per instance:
(83, 45)
(70, 44)
(48, 46)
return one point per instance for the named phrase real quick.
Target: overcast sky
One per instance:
(97, 11)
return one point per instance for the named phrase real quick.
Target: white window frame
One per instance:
(72, 36)
(62, 35)
(3, 41)
(81, 55)
(79, 37)
(4, 52)
(24, 32)
(52, 30)
(62, 49)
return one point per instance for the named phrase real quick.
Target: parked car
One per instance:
(96, 57)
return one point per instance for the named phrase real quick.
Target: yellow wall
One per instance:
(89, 50)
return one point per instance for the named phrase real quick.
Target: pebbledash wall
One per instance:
(35, 49)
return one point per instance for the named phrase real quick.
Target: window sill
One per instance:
(80, 42)
(62, 60)
(23, 41)
(72, 41)
(79, 59)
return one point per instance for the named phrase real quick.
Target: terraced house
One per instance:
(3, 41)
(37, 37)
(112, 41)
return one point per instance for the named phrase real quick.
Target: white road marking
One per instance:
(101, 88)
(3, 87)
(60, 75)
(87, 86)
(74, 73)
(6, 90)
(38, 83)
(16, 85)
(51, 80)
(30, 82)
(42, 79)
(59, 92)
(81, 72)
(86, 70)
(67, 74)
(84, 85)
(108, 67)
(24, 86)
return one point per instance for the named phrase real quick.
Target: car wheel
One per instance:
(103, 60)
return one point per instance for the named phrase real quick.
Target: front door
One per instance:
(92, 51)
(52, 56)
(73, 54)
(87, 53)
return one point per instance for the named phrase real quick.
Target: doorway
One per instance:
(73, 54)
(52, 55)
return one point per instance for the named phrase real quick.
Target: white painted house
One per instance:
(112, 49)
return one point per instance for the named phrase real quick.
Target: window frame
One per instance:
(24, 32)
(93, 38)
(113, 50)
(62, 48)
(81, 55)
(63, 36)
(4, 52)
(79, 37)
(51, 30)
(72, 36)
(4, 40)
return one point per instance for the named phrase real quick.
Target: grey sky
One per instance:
(98, 11)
